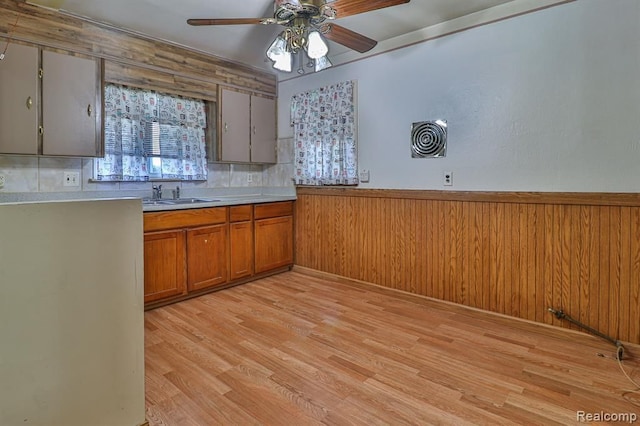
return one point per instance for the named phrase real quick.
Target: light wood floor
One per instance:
(300, 350)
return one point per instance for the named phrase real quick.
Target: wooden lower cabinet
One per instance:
(164, 265)
(241, 247)
(194, 250)
(273, 243)
(206, 257)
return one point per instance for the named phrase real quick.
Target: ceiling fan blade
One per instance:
(353, 7)
(230, 21)
(351, 39)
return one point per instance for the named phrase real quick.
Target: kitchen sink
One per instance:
(190, 200)
(179, 201)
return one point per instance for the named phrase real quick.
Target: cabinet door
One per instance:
(273, 243)
(235, 131)
(164, 265)
(263, 130)
(241, 246)
(207, 257)
(19, 101)
(72, 106)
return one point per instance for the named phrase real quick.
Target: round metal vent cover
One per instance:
(429, 139)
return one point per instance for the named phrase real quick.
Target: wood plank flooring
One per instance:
(296, 349)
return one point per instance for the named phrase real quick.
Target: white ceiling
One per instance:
(166, 19)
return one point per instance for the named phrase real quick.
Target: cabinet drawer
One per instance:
(263, 211)
(240, 213)
(189, 218)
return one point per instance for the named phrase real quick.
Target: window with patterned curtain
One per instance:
(150, 135)
(325, 136)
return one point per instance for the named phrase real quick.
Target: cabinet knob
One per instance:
(40, 130)
(29, 102)
(89, 110)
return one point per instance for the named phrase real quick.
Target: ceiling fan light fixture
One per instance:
(279, 54)
(316, 47)
(307, 28)
(277, 49)
(323, 63)
(283, 63)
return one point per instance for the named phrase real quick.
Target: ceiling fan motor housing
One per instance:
(314, 11)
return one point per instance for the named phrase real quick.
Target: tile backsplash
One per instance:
(46, 174)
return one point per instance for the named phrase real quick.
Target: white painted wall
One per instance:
(547, 101)
(71, 314)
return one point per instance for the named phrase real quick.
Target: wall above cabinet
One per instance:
(60, 30)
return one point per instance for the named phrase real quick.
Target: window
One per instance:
(150, 135)
(325, 136)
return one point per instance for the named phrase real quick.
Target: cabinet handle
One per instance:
(89, 110)
(226, 127)
(40, 73)
(254, 130)
(29, 102)
(40, 130)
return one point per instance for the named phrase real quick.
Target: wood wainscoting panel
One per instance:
(517, 256)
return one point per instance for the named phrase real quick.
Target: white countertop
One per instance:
(219, 202)
(222, 197)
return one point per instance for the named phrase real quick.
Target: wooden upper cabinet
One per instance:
(247, 128)
(235, 137)
(72, 105)
(263, 130)
(19, 100)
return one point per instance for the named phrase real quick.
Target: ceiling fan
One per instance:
(304, 21)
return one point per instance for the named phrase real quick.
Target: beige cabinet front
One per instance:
(50, 103)
(19, 100)
(235, 135)
(71, 112)
(263, 130)
(248, 128)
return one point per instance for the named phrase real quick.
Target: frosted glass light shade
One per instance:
(277, 48)
(278, 53)
(322, 63)
(316, 47)
(283, 63)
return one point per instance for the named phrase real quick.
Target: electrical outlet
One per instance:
(71, 179)
(447, 178)
(250, 178)
(1, 181)
(363, 175)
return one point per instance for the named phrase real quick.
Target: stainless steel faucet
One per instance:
(157, 192)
